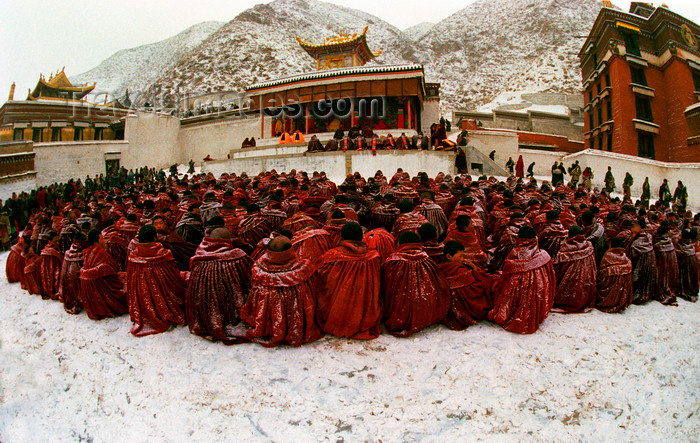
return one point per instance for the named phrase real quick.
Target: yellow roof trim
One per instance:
(627, 26)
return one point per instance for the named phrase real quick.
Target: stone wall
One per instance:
(216, 138)
(152, 140)
(504, 143)
(18, 183)
(61, 161)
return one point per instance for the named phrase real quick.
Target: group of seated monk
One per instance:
(248, 143)
(296, 137)
(375, 142)
(282, 258)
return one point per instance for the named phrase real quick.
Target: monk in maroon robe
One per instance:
(14, 267)
(31, 275)
(470, 289)
(576, 272)
(429, 240)
(645, 273)
(190, 226)
(408, 221)
(101, 284)
(688, 286)
(434, 214)
(182, 250)
(335, 225)
(69, 286)
(614, 285)
(281, 306)
(350, 274)
(217, 288)
(382, 241)
(50, 262)
(155, 286)
(505, 240)
(667, 263)
(465, 234)
(310, 243)
(115, 244)
(416, 295)
(552, 234)
(253, 227)
(128, 227)
(524, 294)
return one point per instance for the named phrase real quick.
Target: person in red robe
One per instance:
(217, 288)
(31, 275)
(552, 235)
(281, 306)
(310, 243)
(429, 240)
(14, 267)
(576, 273)
(50, 262)
(667, 263)
(182, 250)
(253, 227)
(335, 226)
(434, 214)
(382, 241)
(688, 286)
(466, 235)
(128, 227)
(645, 273)
(524, 294)
(155, 286)
(409, 220)
(69, 286)
(614, 286)
(520, 167)
(416, 295)
(350, 274)
(115, 244)
(470, 289)
(101, 284)
(505, 240)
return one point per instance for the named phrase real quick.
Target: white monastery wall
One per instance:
(60, 161)
(504, 143)
(152, 141)
(216, 139)
(18, 184)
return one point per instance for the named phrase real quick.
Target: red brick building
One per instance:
(641, 71)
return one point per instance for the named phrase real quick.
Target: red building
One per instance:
(641, 71)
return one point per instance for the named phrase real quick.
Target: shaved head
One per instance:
(279, 244)
(221, 234)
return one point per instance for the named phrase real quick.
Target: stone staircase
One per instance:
(488, 166)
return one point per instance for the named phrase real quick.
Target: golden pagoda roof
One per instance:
(339, 41)
(59, 82)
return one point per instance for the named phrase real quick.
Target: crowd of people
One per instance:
(284, 258)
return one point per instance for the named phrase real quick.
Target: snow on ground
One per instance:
(588, 377)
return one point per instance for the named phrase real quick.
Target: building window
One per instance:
(55, 134)
(607, 80)
(592, 143)
(644, 109)
(631, 45)
(18, 134)
(77, 134)
(590, 95)
(595, 60)
(99, 133)
(598, 88)
(591, 123)
(600, 142)
(610, 141)
(36, 135)
(608, 106)
(646, 145)
(638, 76)
(696, 80)
(600, 115)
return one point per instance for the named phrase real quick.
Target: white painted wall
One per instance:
(218, 138)
(152, 140)
(60, 161)
(504, 143)
(429, 115)
(26, 183)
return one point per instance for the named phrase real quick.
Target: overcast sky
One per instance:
(41, 36)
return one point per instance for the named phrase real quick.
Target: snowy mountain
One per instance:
(488, 48)
(137, 68)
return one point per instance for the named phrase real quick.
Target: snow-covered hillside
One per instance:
(137, 68)
(416, 32)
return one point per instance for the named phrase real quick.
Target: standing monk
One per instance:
(217, 288)
(348, 304)
(101, 285)
(416, 294)
(609, 181)
(575, 270)
(281, 307)
(520, 167)
(524, 294)
(155, 287)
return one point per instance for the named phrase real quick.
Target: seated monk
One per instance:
(614, 283)
(667, 263)
(298, 137)
(155, 286)
(101, 284)
(217, 288)
(470, 289)
(576, 272)
(381, 241)
(402, 142)
(416, 295)
(595, 233)
(31, 275)
(228, 213)
(208, 158)
(315, 145)
(346, 144)
(252, 142)
(253, 227)
(430, 244)
(524, 294)
(553, 234)
(433, 213)
(310, 243)
(246, 143)
(69, 287)
(334, 226)
(688, 286)
(348, 304)
(182, 250)
(285, 138)
(332, 145)
(466, 235)
(128, 227)
(50, 262)
(298, 221)
(505, 241)
(384, 213)
(408, 221)
(190, 226)
(209, 208)
(645, 273)
(14, 266)
(114, 244)
(281, 306)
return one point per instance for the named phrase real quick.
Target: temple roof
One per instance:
(60, 84)
(338, 44)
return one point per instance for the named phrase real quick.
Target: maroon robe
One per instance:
(524, 294)
(50, 262)
(688, 286)
(383, 216)
(182, 250)
(101, 284)
(382, 241)
(435, 250)
(69, 288)
(472, 246)
(311, 243)
(416, 295)
(348, 304)
(217, 289)
(275, 217)
(115, 245)
(575, 270)
(667, 263)
(334, 230)
(552, 236)
(155, 288)
(253, 228)
(645, 274)
(298, 221)
(435, 215)
(14, 267)
(31, 275)
(614, 285)
(128, 229)
(505, 241)
(408, 222)
(281, 306)
(470, 295)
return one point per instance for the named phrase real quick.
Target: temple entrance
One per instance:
(111, 166)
